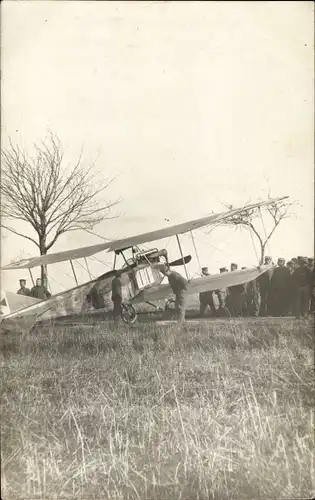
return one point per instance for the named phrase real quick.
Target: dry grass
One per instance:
(214, 411)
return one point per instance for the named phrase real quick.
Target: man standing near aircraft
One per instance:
(280, 285)
(303, 280)
(23, 290)
(39, 291)
(206, 298)
(222, 294)
(251, 298)
(264, 282)
(178, 285)
(117, 296)
(291, 288)
(236, 297)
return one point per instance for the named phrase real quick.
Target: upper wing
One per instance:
(52, 258)
(184, 227)
(124, 243)
(204, 284)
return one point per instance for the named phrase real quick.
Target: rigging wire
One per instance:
(51, 278)
(66, 274)
(81, 265)
(101, 261)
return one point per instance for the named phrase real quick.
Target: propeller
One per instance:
(181, 261)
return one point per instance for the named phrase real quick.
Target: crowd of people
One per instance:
(286, 289)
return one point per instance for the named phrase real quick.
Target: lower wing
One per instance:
(204, 284)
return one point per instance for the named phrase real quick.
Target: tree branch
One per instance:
(20, 234)
(52, 197)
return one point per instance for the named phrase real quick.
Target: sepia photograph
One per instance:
(157, 250)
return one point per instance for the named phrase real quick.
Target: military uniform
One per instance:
(117, 297)
(291, 290)
(264, 281)
(40, 292)
(206, 298)
(236, 300)
(23, 291)
(222, 295)
(178, 285)
(279, 291)
(303, 280)
(252, 298)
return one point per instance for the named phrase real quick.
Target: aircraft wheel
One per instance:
(128, 314)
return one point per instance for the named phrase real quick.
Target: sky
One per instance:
(187, 105)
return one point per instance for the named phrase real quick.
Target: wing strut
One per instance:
(75, 277)
(31, 276)
(193, 240)
(182, 256)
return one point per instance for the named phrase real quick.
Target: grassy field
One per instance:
(213, 411)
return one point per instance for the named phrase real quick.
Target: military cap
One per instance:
(281, 259)
(223, 269)
(22, 280)
(204, 268)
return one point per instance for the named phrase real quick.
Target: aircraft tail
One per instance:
(12, 302)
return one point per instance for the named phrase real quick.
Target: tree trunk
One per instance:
(262, 253)
(44, 276)
(43, 251)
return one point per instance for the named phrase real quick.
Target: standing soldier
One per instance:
(236, 297)
(23, 290)
(264, 281)
(117, 296)
(291, 288)
(178, 285)
(303, 279)
(39, 291)
(252, 298)
(221, 294)
(280, 288)
(206, 298)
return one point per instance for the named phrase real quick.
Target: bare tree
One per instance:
(253, 221)
(51, 197)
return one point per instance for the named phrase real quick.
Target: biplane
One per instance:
(140, 277)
